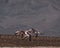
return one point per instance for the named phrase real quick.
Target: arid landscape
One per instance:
(15, 41)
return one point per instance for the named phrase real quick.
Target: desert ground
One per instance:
(16, 41)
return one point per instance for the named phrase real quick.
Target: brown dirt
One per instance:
(13, 41)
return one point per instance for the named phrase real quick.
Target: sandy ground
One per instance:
(29, 47)
(39, 42)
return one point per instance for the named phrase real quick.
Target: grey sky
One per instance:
(41, 14)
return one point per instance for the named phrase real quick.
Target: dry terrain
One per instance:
(15, 41)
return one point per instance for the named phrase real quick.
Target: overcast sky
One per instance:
(41, 14)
